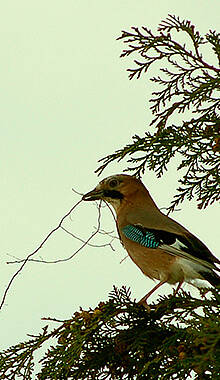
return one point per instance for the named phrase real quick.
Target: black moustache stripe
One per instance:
(114, 194)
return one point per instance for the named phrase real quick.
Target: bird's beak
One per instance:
(93, 195)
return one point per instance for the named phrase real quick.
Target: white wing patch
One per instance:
(178, 245)
(176, 250)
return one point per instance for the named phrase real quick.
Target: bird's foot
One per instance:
(143, 302)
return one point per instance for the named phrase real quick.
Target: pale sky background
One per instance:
(66, 101)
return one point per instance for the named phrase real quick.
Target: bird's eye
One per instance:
(113, 183)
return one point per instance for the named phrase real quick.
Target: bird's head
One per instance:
(115, 189)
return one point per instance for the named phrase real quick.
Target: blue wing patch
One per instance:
(145, 238)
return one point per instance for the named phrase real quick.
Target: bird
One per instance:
(162, 248)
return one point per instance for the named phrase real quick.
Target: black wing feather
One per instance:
(189, 244)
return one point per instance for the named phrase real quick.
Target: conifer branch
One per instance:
(119, 339)
(187, 85)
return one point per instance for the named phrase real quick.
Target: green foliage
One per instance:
(187, 85)
(120, 339)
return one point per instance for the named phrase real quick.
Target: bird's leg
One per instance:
(144, 299)
(178, 288)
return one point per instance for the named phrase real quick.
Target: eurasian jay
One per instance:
(162, 248)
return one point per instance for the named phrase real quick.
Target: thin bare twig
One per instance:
(59, 226)
(108, 233)
(18, 260)
(124, 258)
(77, 192)
(35, 251)
(111, 211)
(89, 244)
(85, 242)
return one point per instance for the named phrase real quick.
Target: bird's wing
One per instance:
(167, 228)
(187, 247)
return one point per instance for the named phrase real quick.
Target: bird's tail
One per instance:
(212, 277)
